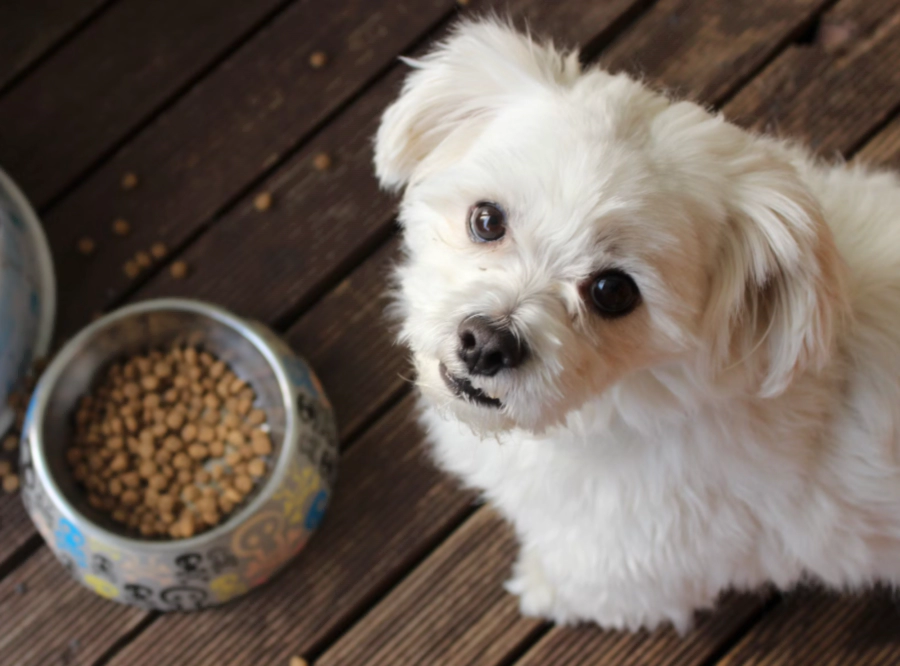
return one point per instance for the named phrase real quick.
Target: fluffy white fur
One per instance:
(741, 425)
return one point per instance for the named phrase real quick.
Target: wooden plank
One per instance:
(346, 338)
(390, 507)
(98, 87)
(15, 526)
(450, 610)
(28, 28)
(830, 95)
(47, 619)
(819, 630)
(223, 134)
(706, 49)
(884, 150)
(591, 646)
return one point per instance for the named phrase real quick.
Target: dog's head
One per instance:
(564, 230)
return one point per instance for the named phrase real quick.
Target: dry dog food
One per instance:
(129, 181)
(86, 246)
(121, 227)
(262, 201)
(179, 269)
(322, 162)
(169, 443)
(317, 59)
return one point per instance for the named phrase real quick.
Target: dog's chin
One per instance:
(456, 397)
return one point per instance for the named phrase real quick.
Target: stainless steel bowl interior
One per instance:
(138, 333)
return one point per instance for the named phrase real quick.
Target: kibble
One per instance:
(129, 181)
(121, 227)
(86, 246)
(131, 268)
(322, 162)
(317, 59)
(262, 202)
(179, 269)
(158, 250)
(143, 259)
(158, 449)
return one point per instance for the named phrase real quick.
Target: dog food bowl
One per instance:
(251, 544)
(27, 293)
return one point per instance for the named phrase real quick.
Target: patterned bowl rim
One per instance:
(61, 361)
(46, 273)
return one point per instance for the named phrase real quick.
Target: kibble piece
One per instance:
(257, 467)
(262, 445)
(147, 469)
(181, 461)
(121, 227)
(11, 483)
(173, 444)
(300, 661)
(179, 269)
(129, 181)
(130, 497)
(262, 202)
(202, 476)
(198, 451)
(6, 467)
(143, 259)
(243, 483)
(256, 417)
(158, 482)
(174, 421)
(322, 162)
(86, 246)
(131, 269)
(317, 59)
(206, 434)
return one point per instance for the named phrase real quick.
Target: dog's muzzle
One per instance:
(463, 388)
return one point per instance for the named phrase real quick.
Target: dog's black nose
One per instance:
(486, 348)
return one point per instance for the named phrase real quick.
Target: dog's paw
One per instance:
(536, 595)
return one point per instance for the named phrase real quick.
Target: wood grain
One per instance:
(29, 28)
(817, 630)
(705, 49)
(591, 646)
(101, 85)
(450, 610)
(222, 135)
(390, 507)
(15, 526)
(830, 96)
(46, 618)
(884, 149)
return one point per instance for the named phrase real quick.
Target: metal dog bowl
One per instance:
(251, 544)
(27, 293)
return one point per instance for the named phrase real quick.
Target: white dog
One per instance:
(666, 349)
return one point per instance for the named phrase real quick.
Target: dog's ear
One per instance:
(480, 67)
(779, 292)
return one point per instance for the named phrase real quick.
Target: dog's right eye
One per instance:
(487, 222)
(613, 293)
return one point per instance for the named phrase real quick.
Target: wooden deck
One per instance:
(211, 102)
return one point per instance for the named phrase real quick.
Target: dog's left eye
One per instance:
(614, 293)
(487, 222)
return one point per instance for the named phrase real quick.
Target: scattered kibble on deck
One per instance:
(131, 268)
(86, 246)
(158, 250)
(179, 269)
(263, 201)
(317, 59)
(129, 181)
(298, 661)
(121, 227)
(143, 259)
(322, 162)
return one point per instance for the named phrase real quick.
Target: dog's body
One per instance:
(737, 424)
